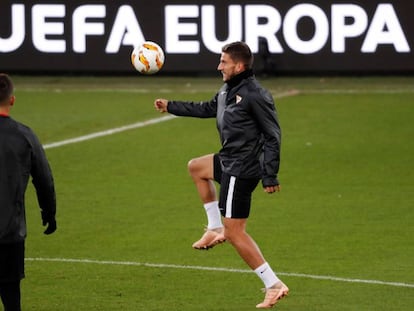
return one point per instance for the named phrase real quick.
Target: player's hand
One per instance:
(161, 104)
(272, 189)
(51, 226)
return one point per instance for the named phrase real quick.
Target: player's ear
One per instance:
(240, 67)
(12, 100)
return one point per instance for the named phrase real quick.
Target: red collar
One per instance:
(4, 114)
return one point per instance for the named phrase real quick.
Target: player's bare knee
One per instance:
(193, 168)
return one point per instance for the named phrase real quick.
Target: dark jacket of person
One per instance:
(22, 156)
(248, 126)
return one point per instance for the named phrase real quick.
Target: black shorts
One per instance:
(235, 192)
(11, 262)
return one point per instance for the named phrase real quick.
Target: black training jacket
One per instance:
(21, 156)
(248, 127)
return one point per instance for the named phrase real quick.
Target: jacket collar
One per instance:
(238, 78)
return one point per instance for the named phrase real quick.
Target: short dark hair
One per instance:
(239, 52)
(6, 87)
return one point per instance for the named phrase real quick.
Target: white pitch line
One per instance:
(108, 132)
(172, 266)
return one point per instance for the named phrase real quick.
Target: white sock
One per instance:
(213, 215)
(266, 274)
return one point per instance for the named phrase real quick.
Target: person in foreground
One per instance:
(250, 137)
(21, 156)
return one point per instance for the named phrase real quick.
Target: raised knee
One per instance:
(200, 168)
(192, 166)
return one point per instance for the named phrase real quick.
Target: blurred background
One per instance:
(287, 37)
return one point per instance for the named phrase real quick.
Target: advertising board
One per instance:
(285, 36)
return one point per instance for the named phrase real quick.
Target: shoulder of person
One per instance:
(256, 92)
(23, 128)
(27, 132)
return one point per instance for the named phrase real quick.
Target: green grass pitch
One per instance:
(340, 233)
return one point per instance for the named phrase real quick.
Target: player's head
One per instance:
(236, 57)
(6, 90)
(239, 52)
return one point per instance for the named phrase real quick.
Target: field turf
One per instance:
(340, 233)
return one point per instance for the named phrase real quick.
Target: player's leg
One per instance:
(202, 170)
(10, 295)
(235, 199)
(235, 232)
(11, 272)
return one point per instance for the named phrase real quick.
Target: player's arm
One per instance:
(204, 109)
(43, 182)
(264, 112)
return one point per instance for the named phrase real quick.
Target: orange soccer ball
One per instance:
(147, 57)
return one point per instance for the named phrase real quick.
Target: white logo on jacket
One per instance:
(238, 99)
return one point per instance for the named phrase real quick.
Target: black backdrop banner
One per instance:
(287, 37)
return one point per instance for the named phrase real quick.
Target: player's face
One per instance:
(228, 67)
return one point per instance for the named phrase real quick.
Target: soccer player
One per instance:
(250, 137)
(21, 156)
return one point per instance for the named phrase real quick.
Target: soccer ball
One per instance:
(147, 57)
